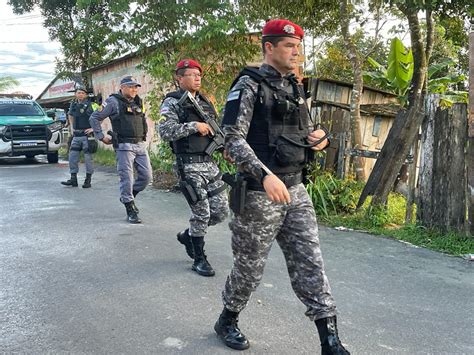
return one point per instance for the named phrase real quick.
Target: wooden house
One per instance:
(330, 106)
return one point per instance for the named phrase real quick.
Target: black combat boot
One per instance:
(330, 343)
(132, 214)
(87, 181)
(226, 328)
(72, 181)
(201, 265)
(185, 239)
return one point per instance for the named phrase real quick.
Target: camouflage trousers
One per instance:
(295, 229)
(208, 211)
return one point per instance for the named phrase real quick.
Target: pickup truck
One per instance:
(25, 129)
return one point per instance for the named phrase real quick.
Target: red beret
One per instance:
(282, 28)
(188, 63)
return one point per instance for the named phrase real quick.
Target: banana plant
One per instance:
(397, 76)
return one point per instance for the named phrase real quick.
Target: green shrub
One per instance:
(331, 195)
(163, 159)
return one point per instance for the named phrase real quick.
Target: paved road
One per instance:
(76, 278)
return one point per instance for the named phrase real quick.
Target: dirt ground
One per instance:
(165, 181)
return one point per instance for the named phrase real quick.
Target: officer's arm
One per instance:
(169, 127)
(70, 120)
(237, 117)
(108, 108)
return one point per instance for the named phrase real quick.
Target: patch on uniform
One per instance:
(232, 107)
(164, 110)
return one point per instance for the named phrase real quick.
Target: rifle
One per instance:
(218, 137)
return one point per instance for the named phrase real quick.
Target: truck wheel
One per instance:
(53, 158)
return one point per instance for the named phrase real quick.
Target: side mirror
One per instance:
(51, 114)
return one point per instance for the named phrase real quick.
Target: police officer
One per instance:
(269, 136)
(199, 176)
(129, 130)
(79, 112)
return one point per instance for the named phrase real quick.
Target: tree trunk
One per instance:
(358, 86)
(470, 149)
(443, 201)
(405, 128)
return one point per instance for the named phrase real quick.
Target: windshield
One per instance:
(20, 108)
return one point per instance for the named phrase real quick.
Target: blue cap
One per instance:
(129, 81)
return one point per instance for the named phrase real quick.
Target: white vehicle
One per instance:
(25, 129)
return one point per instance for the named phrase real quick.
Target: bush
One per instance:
(331, 195)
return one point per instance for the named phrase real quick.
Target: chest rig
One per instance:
(130, 124)
(280, 123)
(194, 143)
(81, 112)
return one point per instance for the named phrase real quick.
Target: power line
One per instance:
(26, 42)
(21, 24)
(21, 17)
(30, 70)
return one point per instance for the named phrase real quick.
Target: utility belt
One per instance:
(193, 158)
(133, 140)
(79, 133)
(240, 184)
(288, 179)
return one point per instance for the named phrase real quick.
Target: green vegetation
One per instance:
(335, 202)
(104, 157)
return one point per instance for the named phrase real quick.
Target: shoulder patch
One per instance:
(234, 95)
(232, 107)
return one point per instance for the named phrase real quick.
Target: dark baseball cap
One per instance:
(80, 88)
(129, 81)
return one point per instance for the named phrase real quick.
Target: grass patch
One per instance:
(104, 157)
(335, 201)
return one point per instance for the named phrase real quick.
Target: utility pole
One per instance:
(470, 149)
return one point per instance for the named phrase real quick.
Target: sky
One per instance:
(26, 52)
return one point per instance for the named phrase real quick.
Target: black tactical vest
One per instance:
(81, 111)
(194, 143)
(130, 124)
(280, 116)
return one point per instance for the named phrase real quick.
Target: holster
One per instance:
(238, 192)
(92, 145)
(189, 192)
(114, 136)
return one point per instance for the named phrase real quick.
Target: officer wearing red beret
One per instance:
(200, 178)
(269, 134)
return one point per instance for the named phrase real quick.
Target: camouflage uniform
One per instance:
(294, 226)
(205, 176)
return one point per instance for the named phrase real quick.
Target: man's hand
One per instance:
(276, 189)
(106, 140)
(204, 129)
(227, 157)
(316, 135)
(88, 130)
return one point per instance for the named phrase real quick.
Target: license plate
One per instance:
(28, 144)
